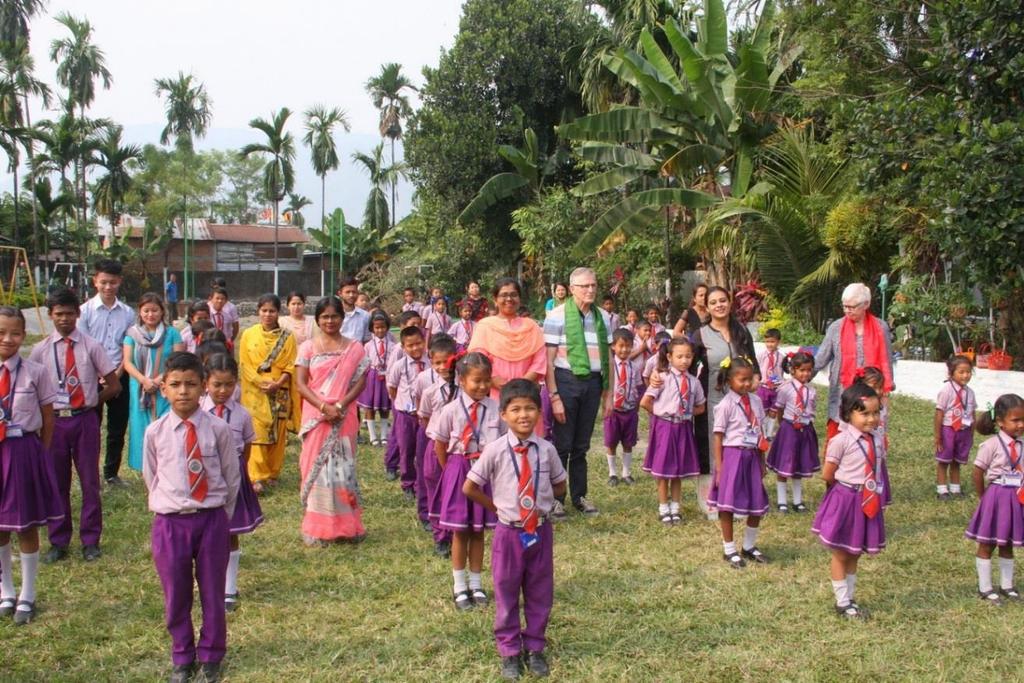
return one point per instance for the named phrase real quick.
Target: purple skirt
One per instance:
(999, 519)
(956, 446)
(740, 486)
(672, 450)
(620, 427)
(248, 514)
(28, 485)
(883, 474)
(794, 452)
(374, 395)
(451, 507)
(767, 396)
(841, 523)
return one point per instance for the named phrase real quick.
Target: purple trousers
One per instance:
(76, 441)
(191, 549)
(391, 452)
(422, 495)
(530, 571)
(404, 433)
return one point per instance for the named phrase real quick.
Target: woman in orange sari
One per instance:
(330, 374)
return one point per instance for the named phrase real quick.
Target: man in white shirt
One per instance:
(356, 325)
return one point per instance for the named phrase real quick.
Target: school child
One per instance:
(738, 447)
(641, 342)
(608, 304)
(631, 319)
(438, 321)
(436, 294)
(374, 401)
(75, 362)
(190, 466)
(999, 483)
(147, 344)
(221, 381)
(653, 315)
(770, 362)
(409, 302)
(363, 301)
(851, 518)
(954, 415)
(794, 452)
(29, 497)
(671, 448)
(462, 329)
(467, 423)
(621, 407)
(197, 310)
(650, 365)
(401, 376)
(410, 318)
(197, 332)
(524, 475)
(224, 318)
(872, 377)
(435, 386)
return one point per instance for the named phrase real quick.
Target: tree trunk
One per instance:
(32, 185)
(14, 168)
(394, 183)
(323, 219)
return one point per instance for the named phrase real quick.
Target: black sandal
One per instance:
(464, 600)
(735, 561)
(1010, 593)
(799, 507)
(479, 596)
(7, 606)
(850, 611)
(676, 518)
(991, 598)
(755, 555)
(782, 507)
(24, 616)
(665, 518)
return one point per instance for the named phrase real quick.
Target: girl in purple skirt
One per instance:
(374, 401)
(221, 380)
(999, 482)
(671, 450)
(850, 519)
(954, 416)
(738, 446)
(29, 497)
(469, 421)
(794, 452)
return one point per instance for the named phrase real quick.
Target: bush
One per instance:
(795, 329)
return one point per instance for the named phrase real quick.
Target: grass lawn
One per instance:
(633, 601)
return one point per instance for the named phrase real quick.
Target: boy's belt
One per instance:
(71, 412)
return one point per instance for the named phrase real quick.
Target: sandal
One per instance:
(676, 518)
(782, 507)
(24, 616)
(992, 598)
(666, 518)
(479, 596)
(755, 555)
(7, 606)
(463, 600)
(799, 507)
(735, 561)
(850, 611)
(230, 602)
(1010, 593)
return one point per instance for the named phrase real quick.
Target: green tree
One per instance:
(117, 161)
(385, 89)
(279, 172)
(319, 137)
(15, 16)
(375, 214)
(50, 208)
(296, 203)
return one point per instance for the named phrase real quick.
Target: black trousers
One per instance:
(117, 425)
(581, 399)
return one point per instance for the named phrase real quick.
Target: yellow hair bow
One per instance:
(726, 362)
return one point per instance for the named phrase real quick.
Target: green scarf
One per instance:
(576, 342)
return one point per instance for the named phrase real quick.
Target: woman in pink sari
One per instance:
(330, 372)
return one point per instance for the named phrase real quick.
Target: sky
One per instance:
(256, 56)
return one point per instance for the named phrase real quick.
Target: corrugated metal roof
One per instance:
(204, 231)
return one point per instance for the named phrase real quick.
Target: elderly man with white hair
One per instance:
(856, 341)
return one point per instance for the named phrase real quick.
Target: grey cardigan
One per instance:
(830, 354)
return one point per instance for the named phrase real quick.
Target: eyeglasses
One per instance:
(851, 307)
(592, 285)
(508, 295)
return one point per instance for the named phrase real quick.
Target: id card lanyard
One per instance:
(877, 469)
(474, 430)
(7, 402)
(685, 402)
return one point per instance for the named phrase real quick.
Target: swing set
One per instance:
(8, 289)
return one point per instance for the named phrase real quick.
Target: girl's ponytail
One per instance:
(987, 423)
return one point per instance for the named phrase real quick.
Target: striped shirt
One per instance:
(554, 336)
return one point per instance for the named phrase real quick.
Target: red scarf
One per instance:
(874, 350)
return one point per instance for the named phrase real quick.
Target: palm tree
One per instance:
(49, 206)
(386, 92)
(319, 137)
(375, 215)
(14, 18)
(189, 113)
(278, 174)
(117, 160)
(296, 203)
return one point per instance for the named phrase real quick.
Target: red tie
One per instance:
(219, 411)
(76, 395)
(1014, 461)
(684, 394)
(470, 430)
(381, 350)
(958, 411)
(869, 498)
(194, 462)
(469, 328)
(800, 407)
(527, 496)
(620, 390)
(5, 389)
(419, 366)
(218, 320)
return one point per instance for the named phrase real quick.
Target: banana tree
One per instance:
(331, 242)
(694, 132)
(120, 249)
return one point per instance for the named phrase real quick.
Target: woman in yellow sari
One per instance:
(266, 358)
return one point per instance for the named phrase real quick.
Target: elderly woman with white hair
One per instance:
(856, 341)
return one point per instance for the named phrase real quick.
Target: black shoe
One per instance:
(390, 475)
(116, 482)
(443, 549)
(426, 526)
(613, 480)
(211, 672)
(7, 607)
(409, 494)
(56, 553)
(537, 664)
(230, 602)
(782, 507)
(755, 555)
(586, 507)
(511, 667)
(799, 507)
(463, 600)
(735, 561)
(24, 616)
(182, 673)
(628, 480)
(91, 553)
(943, 496)
(850, 611)
(479, 597)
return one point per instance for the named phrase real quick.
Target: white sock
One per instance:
(984, 568)
(749, 537)
(1006, 573)
(673, 507)
(29, 570)
(841, 592)
(475, 581)
(851, 585)
(729, 547)
(798, 491)
(663, 509)
(7, 570)
(611, 464)
(954, 488)
(231, 583)
(460, 580)
(942, 488)
(780, 491)
(627, 463)
(371, 428)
